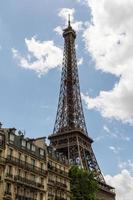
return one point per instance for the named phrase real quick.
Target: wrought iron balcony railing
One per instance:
(2, 161)
(59, 171)
(28, 182)
(2, 141)
(59, 198)
(26, 165)
(57, 183)
(9, 175)
(50, 194)
(7, 195)
(20, 197)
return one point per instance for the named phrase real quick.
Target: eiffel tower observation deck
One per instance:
(70, 136)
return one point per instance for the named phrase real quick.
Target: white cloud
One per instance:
(115, 150)
(106, 129)
(110, 133)
(103, 136)
(58, 30)
(41, 57)
(64, 13)
(125, 138)
(80, 61)
(113, 133)
(126, 165)
(123, 183)
(109, 40)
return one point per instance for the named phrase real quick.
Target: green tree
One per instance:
(83, 184)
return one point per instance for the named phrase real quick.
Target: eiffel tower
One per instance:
(70, 135)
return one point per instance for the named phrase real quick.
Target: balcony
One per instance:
(20, 197)
(2, 161)
(59, 198)
(51, 182)
(57, 184)
(55, 197)
(7, 195)
(2, 141)
(9, 176)
(28, 182)
(62, 185)
(25, 165)
(50, 194)
(56, 170)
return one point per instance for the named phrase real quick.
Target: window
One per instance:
(41, 196)
(24, 192)
(25, 158)
(32, 177)
(32, 195)
(19, 172)
(32, 162)
(19, 156)
(25, 174)
(18, 189)
(1, 140)
(42, 181)
(28, 145)
(8, 188)
(23, 143)
(33, 147)
(41, 152)
(41, 165)
(10, 152)
(62, 194)
(12, 137)
(9, 170)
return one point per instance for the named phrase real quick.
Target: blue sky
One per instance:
(29, 83)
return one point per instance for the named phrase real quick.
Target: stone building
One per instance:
(23, 167)
(58, 181)
(30, 170)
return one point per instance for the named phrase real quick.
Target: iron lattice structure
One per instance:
(70, 113)
(70, 135)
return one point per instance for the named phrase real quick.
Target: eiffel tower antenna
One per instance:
(69, 20)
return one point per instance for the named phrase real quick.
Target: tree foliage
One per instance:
(83, 184)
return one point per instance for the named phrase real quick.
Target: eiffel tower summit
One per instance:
(70, 136)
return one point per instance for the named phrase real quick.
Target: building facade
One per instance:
(58, 180)
(30, 170)
(23, 167)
